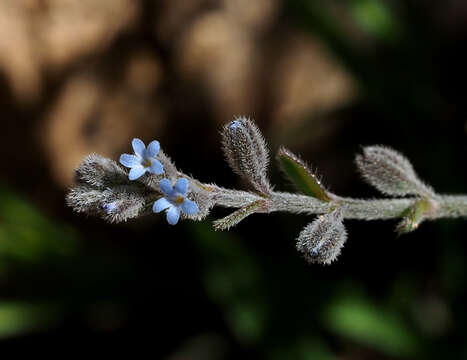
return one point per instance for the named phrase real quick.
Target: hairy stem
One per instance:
(444, 206)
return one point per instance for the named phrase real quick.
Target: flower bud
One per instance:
(246, 152)
(113, 204)
(103, 189)
(322, 240)
(100, 172)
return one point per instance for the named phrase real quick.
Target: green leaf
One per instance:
(375, 17)
(301, 175)
(237, 216)
(415, 215)
(374, 326)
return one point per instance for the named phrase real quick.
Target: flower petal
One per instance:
(173, 215)
(181, 186)
(153, 148)
(156, 167)
(189, 207)
(166, 187)
(129, 160)
(160, 205)
(109, 207)
(136, 172)
(138, 147)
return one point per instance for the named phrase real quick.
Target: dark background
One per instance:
(320, 77)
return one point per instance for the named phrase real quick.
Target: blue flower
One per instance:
(109, 207)
(175, 200)
(144, 159)
(235, 124)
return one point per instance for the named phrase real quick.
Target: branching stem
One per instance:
(445, 206)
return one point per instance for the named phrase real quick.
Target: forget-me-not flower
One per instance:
(235, 124)
(144, 159)
(175, 200)
(109, 207)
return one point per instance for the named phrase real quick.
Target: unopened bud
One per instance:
(103, 189)
(246, 152)
(100, 172)
(322, 240)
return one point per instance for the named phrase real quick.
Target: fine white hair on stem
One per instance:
(106, 189)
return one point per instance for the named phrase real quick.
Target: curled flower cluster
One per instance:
(145, 160)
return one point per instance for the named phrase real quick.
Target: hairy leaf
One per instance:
(237, 216)
(301, 175)
(390, 172)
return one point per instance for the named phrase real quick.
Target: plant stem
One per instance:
(444, 206)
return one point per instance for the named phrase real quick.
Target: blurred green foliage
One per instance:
(233, 279)
(375, 18)
(43, 261)
(244, 287)
(27, 236)
(19, 318)
(357, 319)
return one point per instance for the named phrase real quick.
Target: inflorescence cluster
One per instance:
(153, 184)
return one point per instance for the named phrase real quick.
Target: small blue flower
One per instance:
(144, 159)
(235, 124)
(109, 207)
(175, 200)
